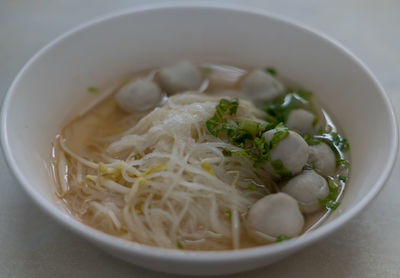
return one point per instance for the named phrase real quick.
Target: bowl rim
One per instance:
(188, 255)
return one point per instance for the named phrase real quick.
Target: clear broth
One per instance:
(106, 119)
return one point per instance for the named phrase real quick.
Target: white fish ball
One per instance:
(323, 159)
(307, 188)
(302, 121)
(261, 86)
(292, 151)
(139, 95)
(180, 77)
(273, 216)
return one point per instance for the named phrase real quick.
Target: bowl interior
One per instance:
(53, 85)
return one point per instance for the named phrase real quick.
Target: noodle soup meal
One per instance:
(202, 157)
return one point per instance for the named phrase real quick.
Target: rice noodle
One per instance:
(150, 183)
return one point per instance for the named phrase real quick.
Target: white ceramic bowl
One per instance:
(52, 87)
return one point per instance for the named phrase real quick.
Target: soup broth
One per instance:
(190, 172)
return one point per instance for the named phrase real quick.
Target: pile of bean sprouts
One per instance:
(165, 182)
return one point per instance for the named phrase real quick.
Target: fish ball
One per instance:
(139, 95)
(274, 215)
(307, 188)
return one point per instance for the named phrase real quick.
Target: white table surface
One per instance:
(33, 245)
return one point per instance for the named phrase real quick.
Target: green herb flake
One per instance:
(217, 123)
(315, 121)
(245, 153)
(340, 141)
(263, 127)
(228, 214)
(271, 71)
(308, 167)
(279, 108)
(238, 136)
(179, 245)
(342, 178)
(252, 187)
(311, 140)
(281, 133)
(340, 162)
(304, 96)
(230, 104)
(262, 147)
(331, 202)
(335, 141)
(256, 149)
(93, 90)
(282, 238)
(249, 126)
(280, 169)
(246, 134)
